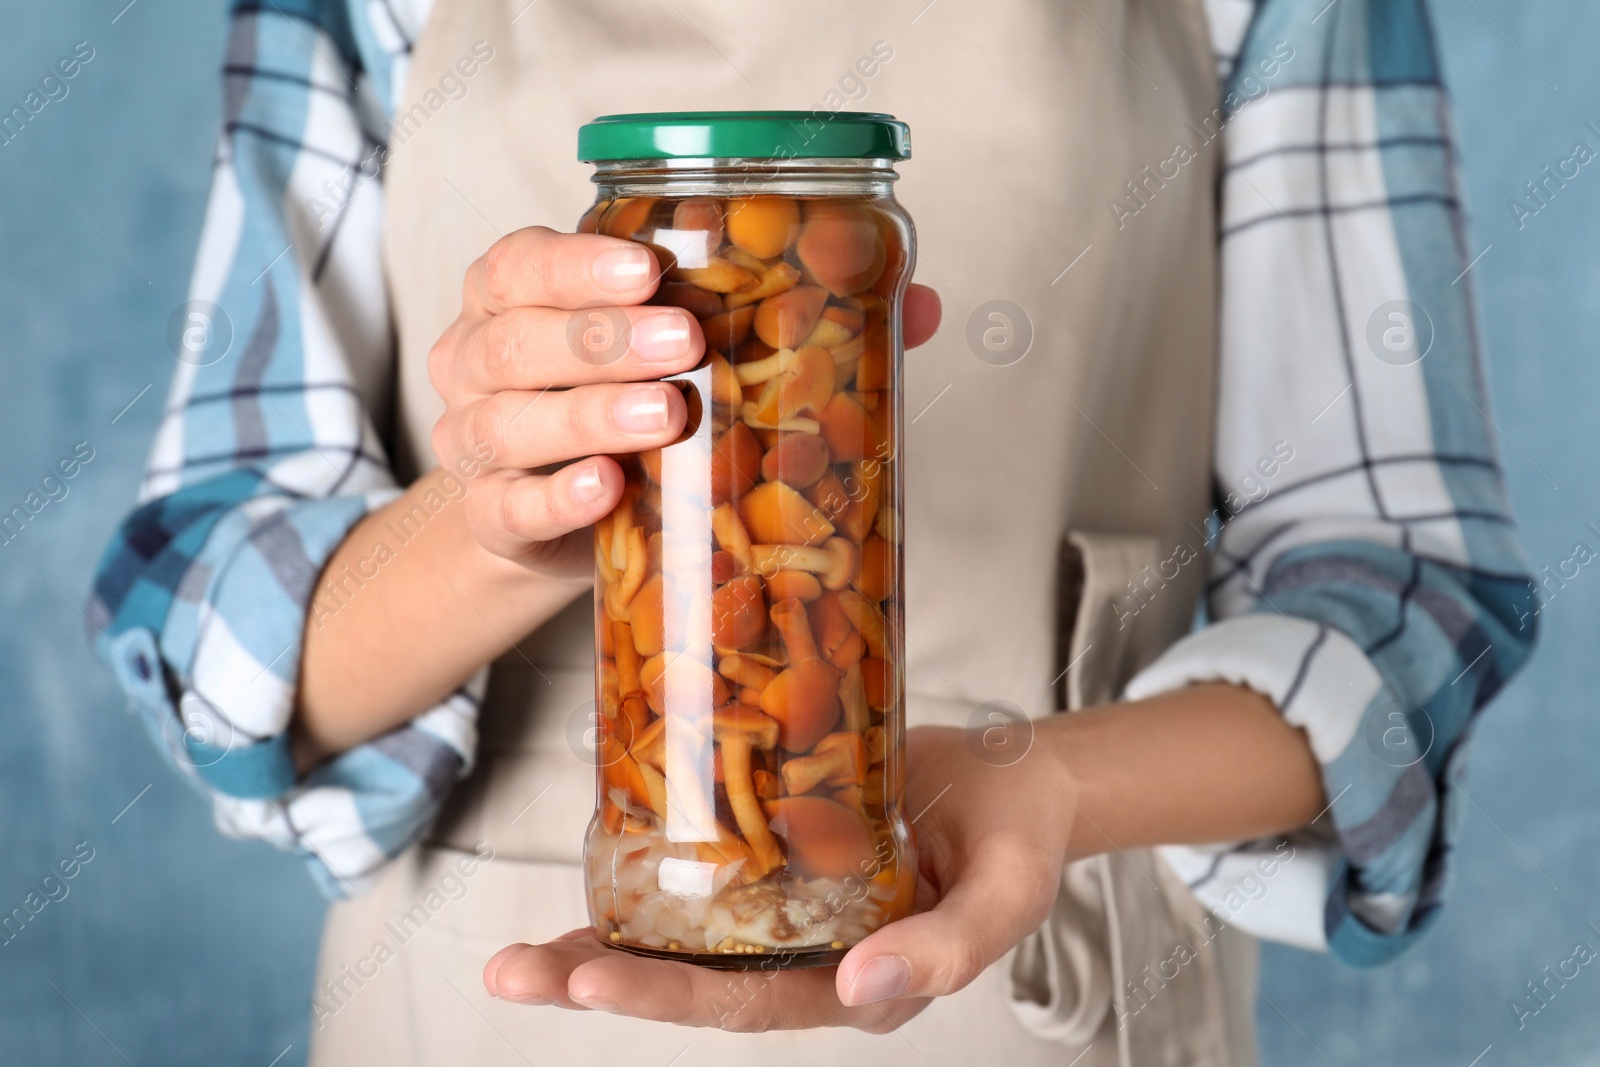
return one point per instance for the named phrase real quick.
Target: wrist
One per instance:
(1208, 763)
(1079, 764)
(416, 607)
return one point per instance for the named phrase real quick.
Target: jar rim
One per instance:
(764, 135)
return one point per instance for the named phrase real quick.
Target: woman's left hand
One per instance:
(991, 842)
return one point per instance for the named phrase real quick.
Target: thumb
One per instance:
(992, 906)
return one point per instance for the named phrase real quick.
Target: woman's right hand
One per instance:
(552, 361)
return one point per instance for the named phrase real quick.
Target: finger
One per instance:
(520, 431)
(537, 974)
(538, 267)
(584, 973)
(538, 347)
(994, 902)
(920, 314)
(510, 511)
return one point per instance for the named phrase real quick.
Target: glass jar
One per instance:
(748, 608)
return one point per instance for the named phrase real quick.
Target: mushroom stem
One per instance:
(731, 536)
(853, 695)
(834, 561)
(746, 806)
(797, 423)
(628, 659)
(633, 574)
(839, 759)
(687, 770)
(621, 523)
(743, 671)
(758, 371)
(865, 617)
(602, 550)
(770, 559)
(794, 625)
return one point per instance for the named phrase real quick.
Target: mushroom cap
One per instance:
(745, 722)
(646, 617)
(844, 555)
(783, 319)
(774, 513)
(646, 746)
(805, 698)
(841, 245)
(877, 568)
(763, 225)
(825, 838)
(798, 459)
(738, 613)
(735, 464)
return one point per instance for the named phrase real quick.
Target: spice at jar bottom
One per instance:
(748, 586)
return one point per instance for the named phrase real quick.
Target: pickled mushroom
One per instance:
(784, 320)
(763, 225)
(801, 585)
(735, 464)
(746, 684)
(804, 697)
(776, 514)
(798, 459)
(824, 837)
(841, 247)
(738, 612)
(738, 729)
(838, 759)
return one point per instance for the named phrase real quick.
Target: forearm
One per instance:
(1212, 762)
(404, 613)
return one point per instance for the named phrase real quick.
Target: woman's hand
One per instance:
(991, 841)
(519, 395)
(523, 392)
(503, 554)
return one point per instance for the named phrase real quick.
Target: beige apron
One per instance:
(1034, 491)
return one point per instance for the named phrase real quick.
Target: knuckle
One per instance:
(583, 420)
(528, 513)
(879, 1023)
(501, 268)
(502, 345)
(441, 360)
(965, 959)
(440, 439)
(487, 426)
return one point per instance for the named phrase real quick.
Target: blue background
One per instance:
(176, 946)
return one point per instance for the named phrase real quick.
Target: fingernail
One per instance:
(641, 410)
(881, 978)
(621, 268)
(661, 337)
(597, 1004)
(586, 484)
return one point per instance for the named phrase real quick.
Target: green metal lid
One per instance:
(744, 134)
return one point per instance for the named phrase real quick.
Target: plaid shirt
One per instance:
(1373, 587)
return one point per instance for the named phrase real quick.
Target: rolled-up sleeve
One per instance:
(1366, 573)
(268, 454)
